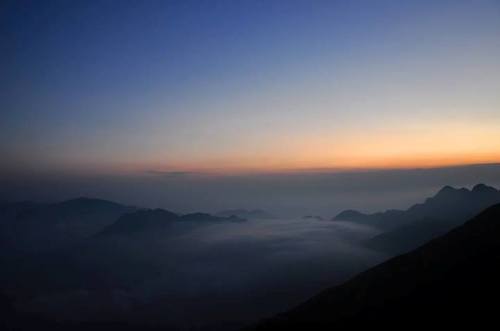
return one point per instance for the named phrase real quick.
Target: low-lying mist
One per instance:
(215, 274)
(218, 274)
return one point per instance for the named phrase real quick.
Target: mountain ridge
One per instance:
(449, 281)
(445, 196)
(447, 203)
(448, 208)
(147, 220)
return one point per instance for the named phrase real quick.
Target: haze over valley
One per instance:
(244, 165)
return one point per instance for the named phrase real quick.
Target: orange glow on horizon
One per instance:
(353, 164)
(441, 145)
(419, 146)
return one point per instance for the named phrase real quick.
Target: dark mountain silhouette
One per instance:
(452, 281)
(48, 226)
(387, 219)
(410, 236)
(149, 220)
(43, 257)
(139, 221)
(8, 213)
(84, 215)
(130, 250)
(203, 217)
(406, 230)
(60, 211)
(448, 204)
(246, 213)
(9, 210)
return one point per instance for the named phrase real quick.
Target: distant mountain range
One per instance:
(148, 220)
(98, 244)
(39, 227)
(246, 213)
(450, 282)
(404, 230)
(448, 203)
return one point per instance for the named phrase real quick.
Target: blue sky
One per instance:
(248, 85)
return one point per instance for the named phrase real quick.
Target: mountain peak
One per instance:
(140, 221)
(483, 188)
(349, 215)
(87, 202)
(246, 213)
(447, 189)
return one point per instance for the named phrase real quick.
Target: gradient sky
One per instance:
(118, 86)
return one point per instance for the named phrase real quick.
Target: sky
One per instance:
(94, 87)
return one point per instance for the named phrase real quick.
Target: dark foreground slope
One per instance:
(452, 281)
